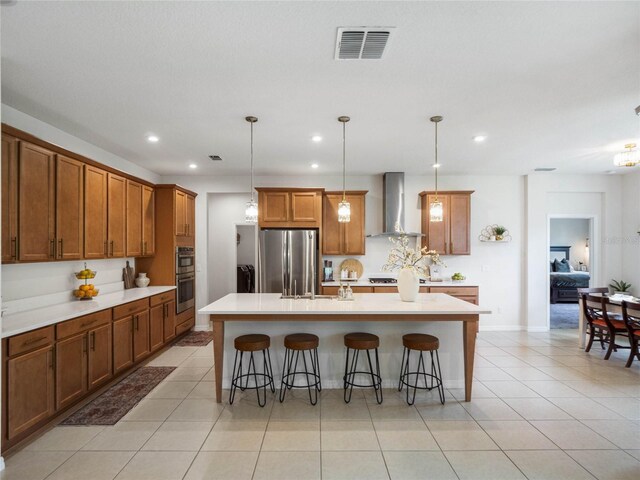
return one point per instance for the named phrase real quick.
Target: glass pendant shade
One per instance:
(344, 212)
(436, 211)
(628, 158)
(251, 212)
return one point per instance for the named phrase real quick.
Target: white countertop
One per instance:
(364, 304)
(367, 283)
(30, 320)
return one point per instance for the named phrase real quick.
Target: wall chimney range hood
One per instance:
(393, 203)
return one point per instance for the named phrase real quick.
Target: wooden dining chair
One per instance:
(615, 327)
(631, 318)
(592, 307)
(602, 290)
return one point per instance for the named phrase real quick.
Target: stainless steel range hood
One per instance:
(393, 205)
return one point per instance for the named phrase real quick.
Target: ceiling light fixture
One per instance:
(629, 158)
(436, 209)
(152, 139)
(193, 165)
(314, 165)
(479, 138)
(344, 207)
(316, 138)
(251, 209)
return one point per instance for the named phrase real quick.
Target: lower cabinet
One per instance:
(48, 370)
(467, 293)
(30, 392)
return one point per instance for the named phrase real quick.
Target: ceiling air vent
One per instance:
(545, 169)
(362, 43)
(215, 158)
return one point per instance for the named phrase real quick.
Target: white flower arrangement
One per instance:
(402, 255)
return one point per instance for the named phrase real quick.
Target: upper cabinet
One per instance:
(289, 208)
(116, 214)
(452, 235)
(134, 219)
(69, 208)
(148, 221)
(185, 214)
(95, 209)
(343, 238)
(9, 199)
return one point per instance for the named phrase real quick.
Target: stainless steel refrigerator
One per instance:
(288, 261)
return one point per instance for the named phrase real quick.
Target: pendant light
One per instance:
(251, 209)
(436, 211)
(344, 207)
(629, 158)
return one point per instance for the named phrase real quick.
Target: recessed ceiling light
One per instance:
(314, 165)
(316, 138)
(193, 165)
(436, 165)
(152, 139)
(479, 138)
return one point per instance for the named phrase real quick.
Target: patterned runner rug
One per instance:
(195, 339)
(116, 402)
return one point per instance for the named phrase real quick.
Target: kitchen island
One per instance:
(383, 314)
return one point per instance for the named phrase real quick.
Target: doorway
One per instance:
(246, 258)
(571, 265)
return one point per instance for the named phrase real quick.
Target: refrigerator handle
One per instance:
(285, 264)
(311, 247)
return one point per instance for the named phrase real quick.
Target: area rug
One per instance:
(116, 402)
(195, 339)
(563, 315)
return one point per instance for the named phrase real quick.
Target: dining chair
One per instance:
(631, 318)
(592, 306)
(615, 327)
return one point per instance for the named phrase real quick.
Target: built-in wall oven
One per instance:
(185, 278)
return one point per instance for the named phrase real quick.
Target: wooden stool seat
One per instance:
(421, 342)
(361, 341)
(252, 343)
(301, 341)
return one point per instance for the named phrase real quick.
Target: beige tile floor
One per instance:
(542, 410)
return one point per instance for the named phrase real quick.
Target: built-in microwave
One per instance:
(186, 291)
(185, 260)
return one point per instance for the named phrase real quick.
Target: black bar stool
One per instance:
(422, 343)
(250, 344)
(357, 342)
(296, 344)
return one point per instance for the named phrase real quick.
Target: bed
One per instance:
(564, 285)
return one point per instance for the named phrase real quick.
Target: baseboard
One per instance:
(201, 328)
(501, 328)
(537, 329)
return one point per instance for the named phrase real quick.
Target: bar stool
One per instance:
(250, 344)
(296, 344)
(422, 343)
(361, 341)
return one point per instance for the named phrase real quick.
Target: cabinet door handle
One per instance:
(84, 344)
(106, 252)
(52, 246)
(34, 340)
(450, 247)
(136, 322)
(88, 322)
(14, 248)
(144, 248)
(61, 242)
(93, 341)
(51, 358)
(112, 248)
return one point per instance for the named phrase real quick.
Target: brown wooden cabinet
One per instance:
(99, 365)
(30, 390)
(71, 370)
(297, 208)
(148, 221)
(181, 213)
(95, 209)
(452, 235)
(69, 208)
(156, 327)
(140, 335)
(190, 215)
(134, 219)
(117, 214)
(122, 344)
(36, 203)
(343, 238)
(9, 199)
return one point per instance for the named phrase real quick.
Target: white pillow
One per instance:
(571, 269)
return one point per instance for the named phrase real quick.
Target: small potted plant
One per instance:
(620, 287)
(499, 232)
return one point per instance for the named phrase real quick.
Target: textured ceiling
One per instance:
(550, 84)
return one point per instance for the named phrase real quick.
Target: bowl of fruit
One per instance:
(458, 277)
(86, 291)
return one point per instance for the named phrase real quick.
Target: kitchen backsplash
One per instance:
(35, 285)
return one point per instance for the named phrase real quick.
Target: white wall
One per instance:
(597, 196)
(631, 231)
(571, 232)
(497, 199)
